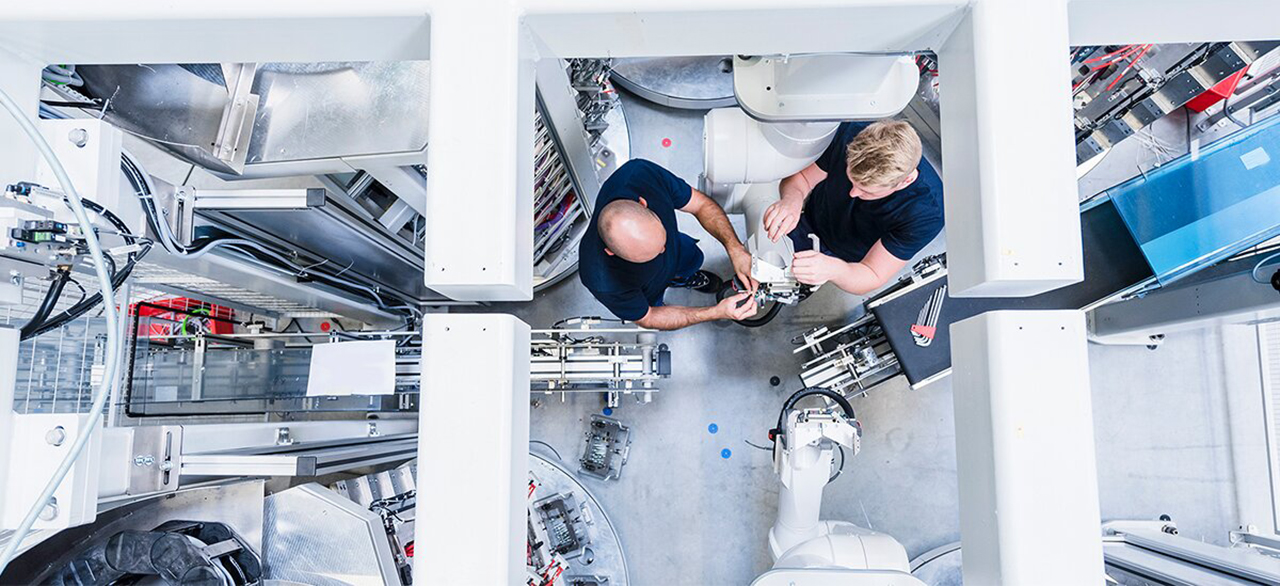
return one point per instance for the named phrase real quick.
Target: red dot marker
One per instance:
(666, 142)
(324, 326)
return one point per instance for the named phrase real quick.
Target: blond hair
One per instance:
(883, 154)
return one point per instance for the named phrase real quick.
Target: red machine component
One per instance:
(1217, 93)
(180, 316)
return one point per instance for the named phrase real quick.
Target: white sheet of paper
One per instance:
(353, 368)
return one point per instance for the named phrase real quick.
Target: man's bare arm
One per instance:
(715, 222)
(784, 214)
(674, 317)
(871, 273)
(814, 268)
(801, 184)
(713, 219)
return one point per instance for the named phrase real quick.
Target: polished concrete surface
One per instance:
(689, 515)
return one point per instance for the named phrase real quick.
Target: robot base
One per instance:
(843, 554)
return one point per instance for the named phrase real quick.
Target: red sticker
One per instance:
(666, 142)
(324, 326)
(926, 331)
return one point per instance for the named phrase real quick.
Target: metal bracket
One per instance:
(231, 145)
(157, 457)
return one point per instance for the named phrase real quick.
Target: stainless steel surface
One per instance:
(306, 111)
(324, 110)
(303, 461)
(238, 504)
(608, 558)
(261, 438)
(254, 199)
(341, 239)
(315, 536)
(364, 490)
(231, 145)
(695, 83)
(156, 459)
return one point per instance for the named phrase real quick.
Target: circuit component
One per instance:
(40, 232)
(563, 523)
(608, 443)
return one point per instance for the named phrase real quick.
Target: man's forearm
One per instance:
(676, 317)
(716, 223)
(794, 186)
(858, 279)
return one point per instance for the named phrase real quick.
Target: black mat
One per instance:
(1112, 263)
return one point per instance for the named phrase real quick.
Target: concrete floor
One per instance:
(687, 515)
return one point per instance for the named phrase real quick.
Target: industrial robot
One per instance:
(806, 550)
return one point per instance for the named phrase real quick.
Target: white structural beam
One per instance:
(647, 28)
(1013, 223)
(479, 237)
(1025, 457)
(473, 450)
(1105, 22)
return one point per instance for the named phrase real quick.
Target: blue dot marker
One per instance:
(608, 411)
(713, 428)
(725, 453)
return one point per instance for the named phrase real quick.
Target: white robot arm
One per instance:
(808, 551)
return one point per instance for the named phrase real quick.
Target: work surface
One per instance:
(688, 515)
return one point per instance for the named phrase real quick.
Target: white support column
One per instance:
(1029, 511)
(1013, 221)
(20, 78)
(473, 445)
(479, 212)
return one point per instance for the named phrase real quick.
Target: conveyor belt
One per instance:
(1113, 264)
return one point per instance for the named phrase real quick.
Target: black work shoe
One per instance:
(701, 281)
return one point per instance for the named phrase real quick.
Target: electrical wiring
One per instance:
(169, 241)
(548, 446)
(51, 296)
(113, 345)
(1226, 111)
(1258, 267)
(85, 304)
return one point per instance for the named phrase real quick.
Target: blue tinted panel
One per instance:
(1190, 214)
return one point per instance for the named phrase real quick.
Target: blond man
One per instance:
(870, 198)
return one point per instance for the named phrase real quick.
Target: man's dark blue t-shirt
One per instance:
(629, 289)
(905, 221)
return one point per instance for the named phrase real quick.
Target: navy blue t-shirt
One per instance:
(629, 289)
(905, 221)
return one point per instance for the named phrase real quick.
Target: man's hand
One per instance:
(741, 260)
(729, 308)
(782, 216)
(814, 268)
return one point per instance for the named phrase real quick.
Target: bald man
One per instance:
(632, 252)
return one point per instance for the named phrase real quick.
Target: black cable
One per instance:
(81, 105)
(83, 293)
(810, 392)
(50, 301)
(117, 279)
(1226, 111)
(553, 450)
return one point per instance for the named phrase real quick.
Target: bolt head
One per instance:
(78, 137)
(56, 436)
(50, 511)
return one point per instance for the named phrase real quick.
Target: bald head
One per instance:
(631, 231)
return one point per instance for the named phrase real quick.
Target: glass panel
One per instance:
(1198, 210)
